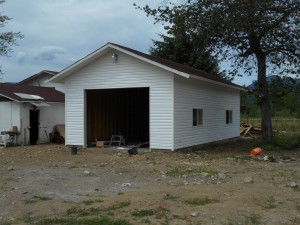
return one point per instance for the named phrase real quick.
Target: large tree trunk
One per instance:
(264, 99)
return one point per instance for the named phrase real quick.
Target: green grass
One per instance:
(82, 212)
(90, 202)
(289, 125)
(269, 203)
(170, 197)
(179, 171)
(90, 221)
(201, 201)
(35, 199)
(281, 142)
(143, 213)
(253, 219)
(118, 205)
(159, 213)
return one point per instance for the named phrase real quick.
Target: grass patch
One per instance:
(82, 212)
(201, 201)
(159, 213)
(253, 219)
(269, 203)
(279, 143)
(143, 213)
(90, 202)
(35, 199)
(170, 197)
(90, 221)
(118, 205)
(180, 171)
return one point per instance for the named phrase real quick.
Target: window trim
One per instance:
(197, 117)
(229, 116)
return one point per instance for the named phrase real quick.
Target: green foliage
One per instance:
(186, 49)
(280, 143)
(7, 38)
(287, 142)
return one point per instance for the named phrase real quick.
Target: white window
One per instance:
(197, 117)
(228, 116)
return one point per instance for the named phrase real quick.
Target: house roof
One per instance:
(25, 93)
(38, 75)
(179, 69)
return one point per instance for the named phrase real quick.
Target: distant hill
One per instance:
(287, 81)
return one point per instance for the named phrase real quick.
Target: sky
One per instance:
(59, 32)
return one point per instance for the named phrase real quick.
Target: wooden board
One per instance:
(60, 128)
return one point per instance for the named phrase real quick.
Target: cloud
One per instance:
(49, 53)
(58, 33)
(21, 57)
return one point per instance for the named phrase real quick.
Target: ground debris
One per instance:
(249, 131)
(11, 168)
(293, 184)
(248, 180)
(275, 159)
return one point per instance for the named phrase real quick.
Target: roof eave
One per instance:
(150, 61)
(10, 98)
(58, 78)
(101, 51)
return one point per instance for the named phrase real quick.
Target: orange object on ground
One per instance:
(256, 151)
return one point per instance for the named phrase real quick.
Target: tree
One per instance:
(254, 34)
(184, 47)
(7, 39)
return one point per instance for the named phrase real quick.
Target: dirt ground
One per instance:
(217, 185)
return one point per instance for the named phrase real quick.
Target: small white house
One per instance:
(40, 79)
(29, 113)
(117, 90)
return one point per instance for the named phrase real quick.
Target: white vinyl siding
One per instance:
(191, 94)
(197, 117)
(9, 115)
(126, 72)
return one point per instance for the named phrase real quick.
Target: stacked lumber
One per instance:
(249, 130)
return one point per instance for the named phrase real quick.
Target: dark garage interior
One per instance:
(122, 111)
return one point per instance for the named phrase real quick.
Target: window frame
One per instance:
(229, 116)
(197, 117)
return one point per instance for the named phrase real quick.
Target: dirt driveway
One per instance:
(47, 185)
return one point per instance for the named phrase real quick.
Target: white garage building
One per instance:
(117, 90)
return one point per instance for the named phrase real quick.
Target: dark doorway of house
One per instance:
(123, 111)
(34, 126)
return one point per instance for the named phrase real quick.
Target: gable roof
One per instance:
(38, 75)
(19, 93)
(176, 68)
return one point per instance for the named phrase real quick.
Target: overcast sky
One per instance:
(59, 32)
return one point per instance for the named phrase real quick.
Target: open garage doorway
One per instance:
(123, 111)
